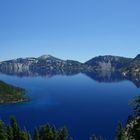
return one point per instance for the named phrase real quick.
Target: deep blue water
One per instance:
(81, 104)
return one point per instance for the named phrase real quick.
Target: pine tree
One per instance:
(24, 135)
(9, 132)
(2, 131)
(42, 132)
(136, 103)
(135, 131)
(46, 132)
(120, 132)
(15, 128)
(50, 135)
(29, 136)
(36, 134)
(62, 134)
(54, 131)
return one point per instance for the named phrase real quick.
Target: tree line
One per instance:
(44, 132)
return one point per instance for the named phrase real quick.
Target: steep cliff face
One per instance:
(50, 64)
(108, 63)
(18, 65)
(45, 63)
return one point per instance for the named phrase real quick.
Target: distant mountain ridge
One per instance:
(51, 64)
(108, 62)
(44, 63)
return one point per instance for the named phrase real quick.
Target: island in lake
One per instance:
(11, 94)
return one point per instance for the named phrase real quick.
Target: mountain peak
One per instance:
(49, 57)
(44, 56)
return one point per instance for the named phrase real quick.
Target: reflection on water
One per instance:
(85, 105)
(100, 76)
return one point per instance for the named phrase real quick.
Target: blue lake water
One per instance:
(78, 102)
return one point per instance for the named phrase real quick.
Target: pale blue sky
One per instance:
(69, 29)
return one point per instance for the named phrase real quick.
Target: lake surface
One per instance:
(83, 105)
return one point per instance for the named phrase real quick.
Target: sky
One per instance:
(69, 29)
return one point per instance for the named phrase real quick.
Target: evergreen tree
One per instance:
(2, 131)
(136, 128)
(54, 131)
(24, 135)
(50, 135)
(29, 136)
(36, 134)
(46, 132)
(120, 132)
(62, 134)
(136, 103)
(9, 132)
(15, 128)
(43, 132)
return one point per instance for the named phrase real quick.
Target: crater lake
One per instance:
(83, 103)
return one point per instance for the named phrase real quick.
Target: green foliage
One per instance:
(15, 128)
(120, 132)
(29, 136)
(62, 134)
(36, 134)
(11, 94)
(45, 132)
(136, 103)
(2, 131)
(135, 130)
(9, 132)
(24, 134)
(51, 133)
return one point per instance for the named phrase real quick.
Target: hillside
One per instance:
(108, 63)
(45, 64)
(11, 94)
(133, 69)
